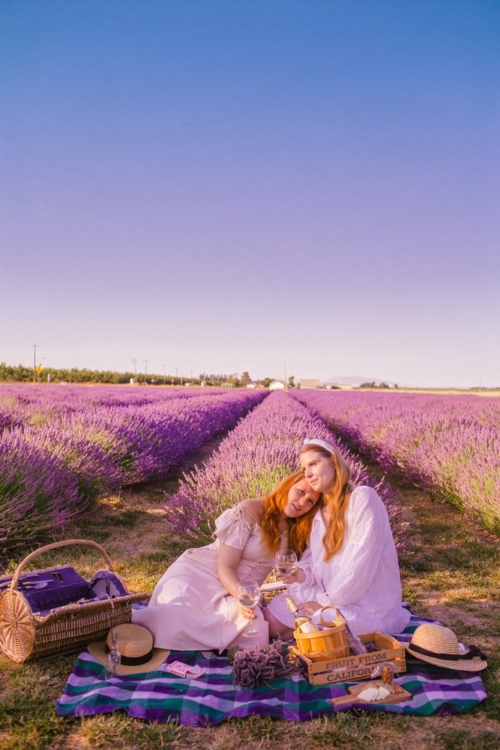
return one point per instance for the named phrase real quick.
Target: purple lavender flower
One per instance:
(446, 444)
(259, 452)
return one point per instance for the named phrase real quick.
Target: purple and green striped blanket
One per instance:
(161, 696)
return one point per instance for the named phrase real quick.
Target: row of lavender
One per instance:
(260, 451)
(51, 473)
(447, 444)
(39, 404)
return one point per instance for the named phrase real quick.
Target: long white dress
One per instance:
(362, 580)
(190, 609)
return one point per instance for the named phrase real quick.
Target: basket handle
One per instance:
(65, 543)
(338, 617)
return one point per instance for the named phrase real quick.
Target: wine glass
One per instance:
(113, 658)
(248, 595)
(285, 563)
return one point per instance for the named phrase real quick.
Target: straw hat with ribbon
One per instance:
(135, 644)
(439, 645)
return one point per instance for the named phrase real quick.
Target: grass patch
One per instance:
(491, 679)
(120, 731)
(461, 739)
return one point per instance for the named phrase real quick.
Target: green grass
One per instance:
(461, 739)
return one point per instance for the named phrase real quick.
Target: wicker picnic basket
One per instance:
(26, 635)
(328, 643)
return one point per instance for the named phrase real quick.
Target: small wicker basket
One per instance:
(329, 643)
(26, 635)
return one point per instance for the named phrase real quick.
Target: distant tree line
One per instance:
(22, 374)
(377, 385)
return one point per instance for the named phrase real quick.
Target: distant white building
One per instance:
(277, 385)
(310, 383)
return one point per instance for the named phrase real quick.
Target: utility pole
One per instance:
(34, 362)
(146, 366)
(135, 367)
(164, 374)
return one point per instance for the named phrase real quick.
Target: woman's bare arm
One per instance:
(227, 566)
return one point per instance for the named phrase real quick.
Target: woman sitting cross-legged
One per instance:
(194, 604)
(351, 562)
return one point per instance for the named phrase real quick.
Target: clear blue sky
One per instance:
(226, 186)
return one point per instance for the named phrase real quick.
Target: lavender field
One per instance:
(260, 451)
(61, 449)
(447, 444)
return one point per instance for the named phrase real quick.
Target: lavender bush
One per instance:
(146, 441)
(38, 495)
(447, 444)
(36, 405)
(260, 451)
(97, 449)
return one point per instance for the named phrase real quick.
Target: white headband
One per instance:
(323, 443)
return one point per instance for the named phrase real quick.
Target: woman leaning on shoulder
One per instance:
(194, 605)
(351, 563)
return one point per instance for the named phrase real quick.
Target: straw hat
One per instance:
(439, 645)
(135, 644)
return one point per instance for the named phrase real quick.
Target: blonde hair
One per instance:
(337, 500)
(299, 529)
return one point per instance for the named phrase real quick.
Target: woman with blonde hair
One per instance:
(351, 562)
(194, 605)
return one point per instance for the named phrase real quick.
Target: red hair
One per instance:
(299, 529)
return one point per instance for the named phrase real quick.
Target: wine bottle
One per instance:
(302, 622)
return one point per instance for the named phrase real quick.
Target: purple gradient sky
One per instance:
(227, 186)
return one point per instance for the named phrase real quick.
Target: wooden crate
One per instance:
(357, 667)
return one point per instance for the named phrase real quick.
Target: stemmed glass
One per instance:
(113, 657)
(285, 563)
(248, 595)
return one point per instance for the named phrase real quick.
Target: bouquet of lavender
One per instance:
(261, 665)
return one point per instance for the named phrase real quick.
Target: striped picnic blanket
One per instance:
(160, 696)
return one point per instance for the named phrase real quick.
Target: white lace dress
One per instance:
(362, 580)
(190, 609)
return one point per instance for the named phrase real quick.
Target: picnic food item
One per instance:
(302, 622)
(371, 693)
(438, 645)
(66, 613)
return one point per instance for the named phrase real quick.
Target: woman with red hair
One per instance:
(194, 605)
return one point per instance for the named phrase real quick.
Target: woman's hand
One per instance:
(298, 576)
(247, 612)
(309, 608)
